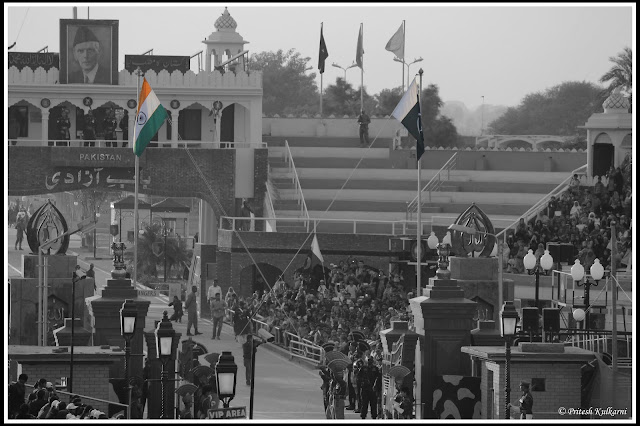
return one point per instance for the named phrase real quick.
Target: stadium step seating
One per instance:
(361, 184)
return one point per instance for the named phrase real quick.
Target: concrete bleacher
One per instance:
(377, 191)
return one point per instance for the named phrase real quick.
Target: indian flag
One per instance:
(151, 115)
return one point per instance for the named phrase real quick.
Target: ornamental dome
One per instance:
(225, 22)
(616, 101)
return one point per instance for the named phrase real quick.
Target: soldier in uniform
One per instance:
(370, 381)
(356, 379)
(63, 125)
(338, 393)
(352, 354)
(110, 125)
(89, 132)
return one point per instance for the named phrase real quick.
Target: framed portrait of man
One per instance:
(88, 51)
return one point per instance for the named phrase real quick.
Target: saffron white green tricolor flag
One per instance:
(151, 115)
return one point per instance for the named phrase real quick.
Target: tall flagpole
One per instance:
(321, 75)
(419, 220)
(404, 53)
(362, 71)
(137, 180)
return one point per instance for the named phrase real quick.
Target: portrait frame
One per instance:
(106, 32)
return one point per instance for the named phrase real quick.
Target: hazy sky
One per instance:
(496, 51)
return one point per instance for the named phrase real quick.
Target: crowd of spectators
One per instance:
(43, 402)
(580, 216)
(324, 305)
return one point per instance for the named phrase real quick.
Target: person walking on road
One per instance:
(218, 308)
(21, 227)
(192, 311)
(211, 292)
(177, 310)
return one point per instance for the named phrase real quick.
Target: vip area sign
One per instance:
(228, 413)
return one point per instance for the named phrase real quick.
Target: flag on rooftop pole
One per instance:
(396, 43)
(151, 114)
(408, 113)
(359, 49)
(323, 54)
(315, 249)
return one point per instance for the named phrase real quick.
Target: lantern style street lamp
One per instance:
(164, 346)
(226, 374)
(577, 273)
(509, 320)
(128, 317)
(533, 266)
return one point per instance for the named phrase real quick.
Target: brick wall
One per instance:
(562, 387)
(89, 379)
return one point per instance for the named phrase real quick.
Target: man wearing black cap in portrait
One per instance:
(87, 51)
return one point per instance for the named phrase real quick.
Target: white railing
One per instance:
(296, 182)
(355, 226)
(542, 203)
(433, 185)
(101, 143)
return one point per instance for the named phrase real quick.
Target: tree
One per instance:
(287, 89)
(557, 111)
(152, 253)
(342, 99)
(387, 100)
(620, 74)
(438, 129)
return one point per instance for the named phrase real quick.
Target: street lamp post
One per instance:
(164, 346)
(128, 316)
(533, 266)
(482, 122)
(408, 65)
(74, 279)
(165, 232)
(577, 273)
(510, 319)
(96, 215)
(344, 69)
(226, 374)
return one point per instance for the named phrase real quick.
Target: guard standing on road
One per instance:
(369, 380)
(363, 122)
(192, 311)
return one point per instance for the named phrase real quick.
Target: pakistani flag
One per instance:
(408, 113)
(151, 115)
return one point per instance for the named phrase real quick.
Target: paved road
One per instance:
(283, 389)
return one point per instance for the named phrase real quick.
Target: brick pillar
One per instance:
(106, 311)
(445, 319)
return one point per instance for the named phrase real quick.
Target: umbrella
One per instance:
(202, 370)
(199, 349)
(338, 365)
(186, 388)
(212, 358)
(328, 347)
(333, 355)
(357, 335)
(398, 372)
(363, 346)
